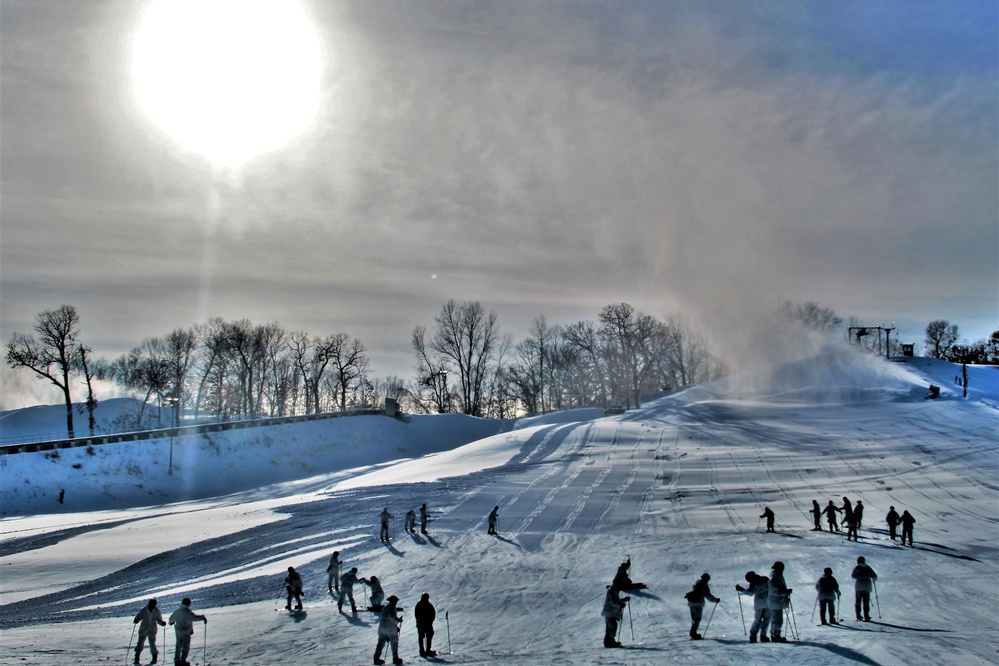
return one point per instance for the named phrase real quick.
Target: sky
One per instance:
(712, 159)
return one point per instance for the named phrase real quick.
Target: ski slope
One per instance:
(678, 485)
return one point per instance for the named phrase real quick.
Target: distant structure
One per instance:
(857, 333)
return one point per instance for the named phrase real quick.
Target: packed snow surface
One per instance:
(678, 485)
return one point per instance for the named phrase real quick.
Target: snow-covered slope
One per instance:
(677, 485)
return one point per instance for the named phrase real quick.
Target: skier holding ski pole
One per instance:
(149, 620)
(864, 578)
(695, 600)
(759, 587)
(741, 614)
(613, 613)
(778, 599)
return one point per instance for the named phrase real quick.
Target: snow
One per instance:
(678, 485)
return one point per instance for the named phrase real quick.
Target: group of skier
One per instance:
(853, 518)
(771, 597)
(150, 619)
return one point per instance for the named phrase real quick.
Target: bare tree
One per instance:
(631, 341)
(812, 316)
(349, 364)
(465, 334)
(88, 376)
(941, 335)
(53, 354)
(432, 374)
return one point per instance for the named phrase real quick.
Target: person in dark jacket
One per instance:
(831, 510)
(293, 586)
(778, 598)
(613, 612)
(149, 619)
(907, 522)
(850, 520)
(858, 513)
(622, 580)
(425, 613)
(695, 600)
(892, 519)
(759, 588)
(864, 577)
(816, 512)
(493, 518)
(769, 515)
(828, 593)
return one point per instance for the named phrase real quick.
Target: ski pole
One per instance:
(814, 606)
(758, 524)
(447, 621)
(876, 600)
(204, 647)
(631, 624)
(713, 608)
(741, 614)
(129, 648)
(793, 623)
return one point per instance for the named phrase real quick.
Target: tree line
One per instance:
(222, 370)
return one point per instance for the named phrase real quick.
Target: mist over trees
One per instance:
(464, 362)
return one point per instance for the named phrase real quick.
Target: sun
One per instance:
(228, 79)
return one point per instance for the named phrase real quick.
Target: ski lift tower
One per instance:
(858, 332)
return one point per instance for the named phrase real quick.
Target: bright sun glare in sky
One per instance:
(228, 79)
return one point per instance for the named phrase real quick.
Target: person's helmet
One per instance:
(336, 552)
(750, 576)
(827, 570)
(152, 603)
(291, 569)
(425, 596)
(778, 566)
(705, 577)
(185, 601)
(861, 560)
(353, 569)
(393, 598)
(374, 579)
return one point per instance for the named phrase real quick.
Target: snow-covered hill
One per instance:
(677, 485)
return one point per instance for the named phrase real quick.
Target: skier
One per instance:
(828, 589)
(388, 631)
(907, 522)
(613, 613)
(769, 515)
(293, 586)
(423, 518)
(858, 513)
(347, 582)
(148, 618)
(830, 511)
(377, 594)
(759, 587)
(850, 520)
(893, 520)
(182, 620)
(425, 613)
(622, 580)
(410, 524)
(816, 512)
(847, 515)
(493, 517)
(778, 598)
(385, 517)
(864, 576)
(695, 599)
(333, 573)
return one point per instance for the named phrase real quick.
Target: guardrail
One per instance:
(111, 438)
